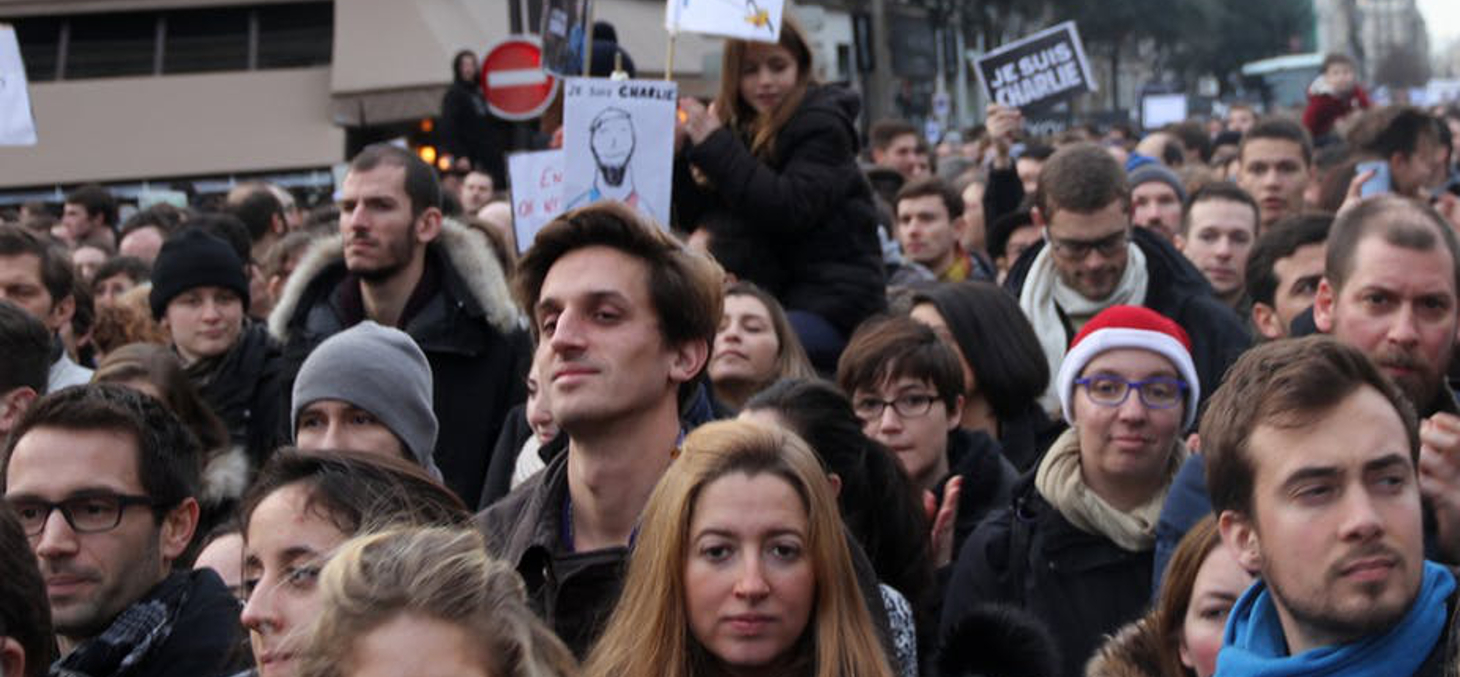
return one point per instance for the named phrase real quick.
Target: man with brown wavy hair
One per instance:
(624, 316)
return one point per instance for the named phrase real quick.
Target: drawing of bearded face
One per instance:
(613, 144)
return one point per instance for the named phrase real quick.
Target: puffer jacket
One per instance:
(803, 225)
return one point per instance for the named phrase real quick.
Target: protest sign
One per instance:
(1159, 110)
(563, 34)
(618, 143)
(17, 125)
(537, 193)
(1037, 70)
(758, 20)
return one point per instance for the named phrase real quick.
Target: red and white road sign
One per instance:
(516, 86)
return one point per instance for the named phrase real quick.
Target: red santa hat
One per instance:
(1119, 327)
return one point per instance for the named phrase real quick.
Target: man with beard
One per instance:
(612, 141)
(104, 482)
(1389, 289)
(400, 263)
(1315, 469)
(1091, 258)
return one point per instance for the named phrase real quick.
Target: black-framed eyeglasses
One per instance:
(911, 405)
(85, 514)
(1077, 250)
(1159, 392)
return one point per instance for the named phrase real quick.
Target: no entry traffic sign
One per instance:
(515, 85)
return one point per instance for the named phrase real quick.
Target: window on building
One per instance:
(109, 45)
(40, 44)
(295, 35)
(71, 47)
(202, 40)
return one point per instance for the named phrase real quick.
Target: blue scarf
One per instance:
(1254, 646)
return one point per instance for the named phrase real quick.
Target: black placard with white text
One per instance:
(1038, 70)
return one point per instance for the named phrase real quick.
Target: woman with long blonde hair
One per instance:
(767, 177)
(741, 567)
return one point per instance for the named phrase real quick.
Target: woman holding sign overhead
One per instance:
(767, 175)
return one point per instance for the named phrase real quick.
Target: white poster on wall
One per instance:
(618, 143)
(17, 123)
(758, 20)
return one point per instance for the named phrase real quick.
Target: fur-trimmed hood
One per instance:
(468, 253)
(1134, 651)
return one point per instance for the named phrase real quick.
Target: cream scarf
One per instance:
(1044, 294)
(1059, 481)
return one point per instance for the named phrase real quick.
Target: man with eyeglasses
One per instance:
(1094, 260)
(103, 480)
(907, 385)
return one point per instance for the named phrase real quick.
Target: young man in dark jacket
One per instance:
(624, 316)
(104, 482)
(1313, 468)
(1091, 258)
(399, 263)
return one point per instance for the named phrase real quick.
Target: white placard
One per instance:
(618, 142)
(17, 123)
(1159, 110)
(537, 192)
(758, 20)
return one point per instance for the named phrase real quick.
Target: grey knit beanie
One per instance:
(378, 369)
(1158, 172)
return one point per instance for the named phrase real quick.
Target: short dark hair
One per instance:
(931, 185)
(894, 346)
(1081, 178)
(1279, 242)
(421, 184)
(134, 268)
(1282, 129)
(1193, 137)
(26, 344)
(685, 287)
(56, 273)
(95, 200)
(1287, 384)
(226, 227)
(1382, 132)
(357, 491)
(884, 132)
(1037, 151)
(1003, 228)
(166, 218)
(1401, 221)
(257, 210)
(167, 453)
(25, 613)
(997, 340)
(1219, 190)
(1336, 58)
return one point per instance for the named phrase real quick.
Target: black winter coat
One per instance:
(802, 226)
(244, 387)
(468, 130)
(1178, 291)
(1080, 585)
(988, 480)
(469, 331)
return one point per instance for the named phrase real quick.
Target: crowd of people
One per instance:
(1093, 404)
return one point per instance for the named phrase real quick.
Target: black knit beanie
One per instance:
(190, 259)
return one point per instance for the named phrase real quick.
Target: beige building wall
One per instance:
(114, 129)
(390, 64)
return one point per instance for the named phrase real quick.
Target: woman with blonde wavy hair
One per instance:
(741, 566)
(427, 601)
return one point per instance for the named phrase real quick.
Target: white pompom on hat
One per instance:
(1119, 327)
